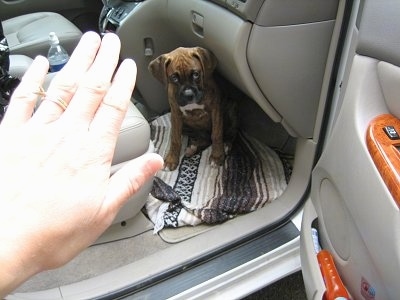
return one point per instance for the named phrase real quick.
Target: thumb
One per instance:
(129, 179)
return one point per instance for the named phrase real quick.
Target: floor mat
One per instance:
(198, 194)
(126, 229)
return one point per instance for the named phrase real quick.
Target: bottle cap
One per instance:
(53, 38)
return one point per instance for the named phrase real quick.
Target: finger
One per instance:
(129, 179)
(24, 98)
(96, 81)
(65, 83)
(111, 112)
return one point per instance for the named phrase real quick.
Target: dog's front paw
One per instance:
(171, 162)
(190, 151)
(217, 160)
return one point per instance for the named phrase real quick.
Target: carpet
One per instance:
(195, 193)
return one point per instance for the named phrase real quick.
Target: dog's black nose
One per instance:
(188, 93)
(187, 96)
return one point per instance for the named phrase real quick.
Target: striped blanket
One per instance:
(252, 176)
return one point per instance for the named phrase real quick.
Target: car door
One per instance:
(354, 200)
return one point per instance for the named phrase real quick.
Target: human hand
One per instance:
(56, 194)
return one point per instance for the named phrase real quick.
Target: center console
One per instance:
(114, 12)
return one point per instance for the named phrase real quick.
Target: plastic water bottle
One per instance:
(57, 55)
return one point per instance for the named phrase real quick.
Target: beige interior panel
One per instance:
(150, 24)
(288, 63)
(288, 12)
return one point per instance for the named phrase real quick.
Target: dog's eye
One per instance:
(196, 75)
(174, 78)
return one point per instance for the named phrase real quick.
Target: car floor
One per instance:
(98, 259)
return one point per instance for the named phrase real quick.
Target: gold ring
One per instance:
(59, 101)
(41, 92)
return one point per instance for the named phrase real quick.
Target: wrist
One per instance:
(16, 267)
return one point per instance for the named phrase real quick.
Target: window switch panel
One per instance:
(391, 132)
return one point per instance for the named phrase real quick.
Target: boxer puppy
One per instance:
(197, 108)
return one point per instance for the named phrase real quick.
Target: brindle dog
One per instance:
(197, 107)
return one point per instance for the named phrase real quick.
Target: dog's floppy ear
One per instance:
(207, 59)
(158, 68)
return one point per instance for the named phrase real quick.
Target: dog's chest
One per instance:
(195, 115)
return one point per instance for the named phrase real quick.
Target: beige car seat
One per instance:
(28, 34)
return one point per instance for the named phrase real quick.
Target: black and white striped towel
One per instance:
(252, 176)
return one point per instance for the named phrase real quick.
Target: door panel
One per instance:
(358, 218)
